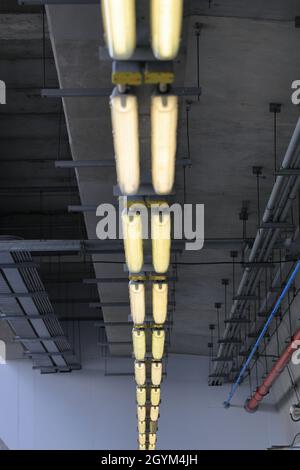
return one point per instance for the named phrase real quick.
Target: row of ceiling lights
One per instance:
(119, 18)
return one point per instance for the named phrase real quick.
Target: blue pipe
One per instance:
(262, 334)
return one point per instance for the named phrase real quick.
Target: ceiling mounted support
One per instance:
(278, 226)
(259, 265)
(121, 280)
(20, 339)
(20, 295)
(19, 316)
(288, 172)
(230, 341)
(56, 2)
(246, 297)
(105, 92)
(93, 246)
(218, 376)
(109, 304)
(68, 368)
(104, 163)
(223, 359)
(233, 321)
(18, 265)
(33, 354)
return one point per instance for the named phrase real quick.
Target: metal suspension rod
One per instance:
(267, 239)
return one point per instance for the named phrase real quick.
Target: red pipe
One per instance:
(252, 403)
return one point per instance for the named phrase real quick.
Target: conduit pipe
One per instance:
(252, 403)
(279, 192)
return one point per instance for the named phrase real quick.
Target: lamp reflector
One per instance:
(142, 427)
(141, 396)
(141, 413)
(166, 25)
(133, 241)
(160, 302)
(156, 373)
(137, 302)
(119, 22)
(124, 114)
(139, 344)
(155, 396)
(158, 342)
(140, 373)
(161, 237)
(164, 118)
(152, 439)
(154, 413)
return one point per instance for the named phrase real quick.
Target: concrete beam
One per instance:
(22, 26)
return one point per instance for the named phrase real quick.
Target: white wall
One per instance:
(85, 410)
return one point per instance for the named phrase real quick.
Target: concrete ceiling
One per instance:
(34, 195)
(248, 59)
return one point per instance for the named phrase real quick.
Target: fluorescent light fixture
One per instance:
(160, 302)
(155, 396)
(161, 237)
(133, 241)
(124, 115)
(137, 302)
(142, 447)
(166, 24)
(151, 447)
(142, 427)
(141, 396)
(156, 373)
(142, 439)
(154, 413)
(164, 118)
(141, 413)
(119, 22)
(152, 439)
(139, 344)
(158, 342)
(140, 373)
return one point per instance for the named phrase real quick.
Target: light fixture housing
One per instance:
(141, 396)
(158, 343)
(137, 302)
(161, 237)
(119, 23)
(152, 439)
(139, 344)
(154, 413)
(142, 427)
(140, 373)
(142, 439)
(141, 413)
(155, 396)
(164, 119)
(124, 115)
(133, 240)
(151, 447)
(160, 302)
(142, 447)
(156, 373)
(166, 25)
